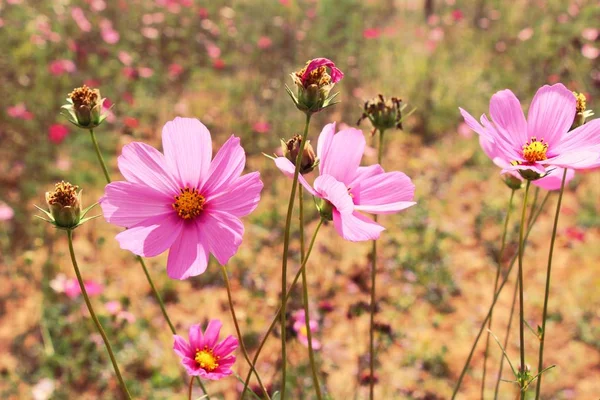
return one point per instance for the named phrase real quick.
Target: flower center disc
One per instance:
(189, 203)
(206, 359)
(535, 150)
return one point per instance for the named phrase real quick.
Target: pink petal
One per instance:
(583, 138)
(335, 192)
(151, 237)
(342, 157)
(126, 204)
(324, 142)
(474, 125)
(188, 255)
(553, 180)
(196, 337)
(583, 159)
(240, 198)
(226, 167)
(181, 347)
(356, 227)
(363, 173)
(143, 164)
(288, 169)
(336, 74)
(188, 150)
(384, 193)
(222, 234)
(211, 333)
(226, 347)
(551, 113)
(508, 116)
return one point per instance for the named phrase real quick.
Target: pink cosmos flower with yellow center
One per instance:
(346, 188)
(181, 200)
(543, 141)
(203, 356)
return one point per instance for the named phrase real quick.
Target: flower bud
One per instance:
(290, 149)
(64, 204)
(314, 84)
(325, 209)
(513, 182)
(582, 114)
(383, 113)
(84, 108)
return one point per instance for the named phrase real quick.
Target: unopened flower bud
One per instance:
(291, 148)
(581, 113)
(64, 203)
(325, 209)
(383, 113)
(314, 85)
(513, 182)
(84, 108)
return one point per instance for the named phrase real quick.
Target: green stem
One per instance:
(277, 315)
(140, 259)
(521, 302)
(499, 265)
(190, 388)
(94, 318)
(484, 322)
(373, 281)
(286, 245)
(99, 155)
(239, 332)
(311, 354)
(547, 293)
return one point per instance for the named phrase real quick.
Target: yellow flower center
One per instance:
(581, 101)
(64, 194)
(317, 76)
(303, 330)
(189, 203)
(535, 150)
(206, 359)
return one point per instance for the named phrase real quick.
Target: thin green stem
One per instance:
(286, 245)
(373, 298)
(547, 292)
(521, 289)
(140, 259)
(311, 354)
(191, 386)
(277, 315)
(498, 268)
(99, 155)
(239, 332)
(94, 318)
(484, 322)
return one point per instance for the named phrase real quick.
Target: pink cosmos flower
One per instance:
(20, 111)
(300, 329)
(6, 213)
(203, 356)
(348, 188)
(57, 133)
(543, 141)
(181, 199)
(264, 42)
(261, 127)
(109, 35)
(70, 286)
(80, 19)
(336, 74)
(371, 33)
(60, 67)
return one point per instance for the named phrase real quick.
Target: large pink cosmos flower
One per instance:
(203, 356)
(543, 140)
(182, 200)
(349, 188)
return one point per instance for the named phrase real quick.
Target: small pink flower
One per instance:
(261, 127)
(575, 233)
(145, 72)
(175, 70)
(70, 287)
(109, 35)
(542, 141)
(6, 213)
(203, 356)
(57, 133)
(80, 19)
(457, 15)
(113, 307)
(131, 122)
(336, 74)
(371, 33)
(348, 188)
(19, 111)
(590, 51)
(301, 331)
(213, 51)
(60, 67)
(181, 199)
(218, 64)
(125, 58)
(264, 42)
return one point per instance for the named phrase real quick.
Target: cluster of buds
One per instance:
(291, 148)
(383, 113)
(64, 207)
(582, 114)
(314, 85)
(84, 108)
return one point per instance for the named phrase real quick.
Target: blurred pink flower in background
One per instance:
(70, 286)
(203, 12)
(98, 5)
(457, 15)
(115, 308)
(57, 133)
(301, 331)
(6, 213)
(125, 58)
(131, 122)
(575, 233)
(371, 33)
(590, 51)
(261, 127)
(19, 111)
(284, 2)
(218, 64)
(80, 19)
(60, 67)
(109, 35)
(145, 72)
(175, 70)
(213, 51)
(150, 32)
(264, 42)
(590, 33)
(465, 131)
(525, 34)
(204, 356)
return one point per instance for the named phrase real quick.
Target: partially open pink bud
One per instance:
(314, 84)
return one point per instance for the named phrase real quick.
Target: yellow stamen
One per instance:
(206, 359)
(535, 150)
(64, 194)
(84, 96)
(581, 105)
(317, 76)
(189, 203)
